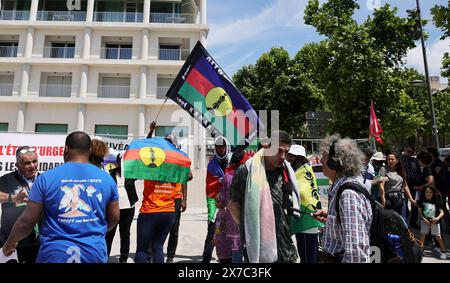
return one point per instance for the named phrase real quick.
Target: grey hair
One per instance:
(347, 154)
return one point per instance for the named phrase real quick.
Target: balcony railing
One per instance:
(6, 89)
(116, 53)
(113, 91)
(8, 51)
(161, 92)
(14, 15)
(55, 90)
(173, 54)
(172, 18)
(118, 17)
(65, 16)
(59, 52)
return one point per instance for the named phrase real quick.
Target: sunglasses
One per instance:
(25, 150)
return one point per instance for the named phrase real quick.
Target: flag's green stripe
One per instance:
(323, 182)
(135, 169)
(191, 95)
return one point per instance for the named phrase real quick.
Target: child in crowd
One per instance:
(431, 211)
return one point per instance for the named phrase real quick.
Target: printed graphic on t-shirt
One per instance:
(429, 210)
(74, 202)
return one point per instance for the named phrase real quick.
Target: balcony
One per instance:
(8, 51)
(161, 92)
(6, 89)
(59, 52)
(55, 90)
(172, 18)
(117, 53)
(113, 91)
(65, 16)
(14, 15)
(133, 17)
(173, 54)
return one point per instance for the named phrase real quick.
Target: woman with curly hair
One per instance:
(99, 149)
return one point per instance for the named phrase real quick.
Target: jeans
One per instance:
(126, 218)
(237, 256)
(209, 245)
(308, 247)
(173, 236)
(153, 228)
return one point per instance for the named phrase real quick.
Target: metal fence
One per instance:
(6, 89)
(59, 52)
(114, 91)
(118, 17)
(8, 51)
(65, 16)
(116, 53)
(173, 18)
(55, 90)
(14, 15)
(173, 54)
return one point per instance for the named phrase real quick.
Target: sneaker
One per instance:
(169, 260)
(443, 255)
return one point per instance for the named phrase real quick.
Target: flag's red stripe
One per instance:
(172, 157)
(203, 86)
(199, 82)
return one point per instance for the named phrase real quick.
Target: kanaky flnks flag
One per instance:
(375, 127)
(204, 90)
(156, 159)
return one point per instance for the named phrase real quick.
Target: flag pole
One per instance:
(159, 112)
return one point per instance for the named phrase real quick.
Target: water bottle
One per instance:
(395, 242)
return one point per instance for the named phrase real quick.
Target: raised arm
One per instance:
(152, 129)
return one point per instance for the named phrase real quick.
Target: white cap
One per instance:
(378, 156)
(297, 150)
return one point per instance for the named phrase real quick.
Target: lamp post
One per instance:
(427, 76)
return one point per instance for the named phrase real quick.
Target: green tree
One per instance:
(364, 62)
(441, 18)
(277, 82)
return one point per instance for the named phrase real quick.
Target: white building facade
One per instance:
(99, 66)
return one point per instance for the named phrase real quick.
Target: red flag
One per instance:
(375, 127)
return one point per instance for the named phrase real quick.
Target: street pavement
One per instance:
(193, 228)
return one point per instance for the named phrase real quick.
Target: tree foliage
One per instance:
(363, 62)
(441, 18)
(277, 82)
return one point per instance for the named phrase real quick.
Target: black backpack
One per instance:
(389, 233)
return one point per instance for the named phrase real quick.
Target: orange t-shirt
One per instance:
(159, 196)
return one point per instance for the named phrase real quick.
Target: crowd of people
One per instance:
(256, 203)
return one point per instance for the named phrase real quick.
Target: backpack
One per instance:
(390, 239)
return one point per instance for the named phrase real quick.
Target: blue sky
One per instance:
(242, 30)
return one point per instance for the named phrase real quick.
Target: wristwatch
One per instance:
(10, 197)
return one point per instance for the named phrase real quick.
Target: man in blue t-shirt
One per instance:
(79, 203)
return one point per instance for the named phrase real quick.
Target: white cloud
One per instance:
(280, 14)
(232, 68)
(435, 54)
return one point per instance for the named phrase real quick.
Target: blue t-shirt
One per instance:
(75, 197)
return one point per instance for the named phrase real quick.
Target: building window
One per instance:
(51, 128)
(112, 131)
(179, 132)
(3, 127)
